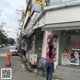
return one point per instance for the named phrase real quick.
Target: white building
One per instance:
(62, 21)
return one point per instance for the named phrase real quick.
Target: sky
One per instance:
(10, 14)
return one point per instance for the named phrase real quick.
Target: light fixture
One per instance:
(77, 31)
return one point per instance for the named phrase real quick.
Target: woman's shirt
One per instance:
(50, 59)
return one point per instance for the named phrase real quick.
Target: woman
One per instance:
(51, 58)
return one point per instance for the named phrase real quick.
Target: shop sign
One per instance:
(37, 7)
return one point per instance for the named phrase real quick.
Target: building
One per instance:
(59, 20)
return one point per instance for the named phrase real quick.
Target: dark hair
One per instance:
(50, 49)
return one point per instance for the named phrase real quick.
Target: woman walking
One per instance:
(20, 53)
(51, 58)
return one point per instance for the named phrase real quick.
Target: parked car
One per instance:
(14, 50)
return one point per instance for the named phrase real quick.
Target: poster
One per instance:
(53, 40)
(74, 57)
(71, 58)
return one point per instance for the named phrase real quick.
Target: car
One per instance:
(14, 50)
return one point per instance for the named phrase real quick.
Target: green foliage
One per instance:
(2, 38)
(11, 41)
(5, 40)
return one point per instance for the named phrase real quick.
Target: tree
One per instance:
(11, 41)
(5, 40)
(2, 38)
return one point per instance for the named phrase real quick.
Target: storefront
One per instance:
(38, 43)
(70, 47)
(30, 42)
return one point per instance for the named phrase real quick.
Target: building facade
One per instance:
(60, 20)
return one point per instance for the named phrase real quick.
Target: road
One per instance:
(18, 70)
(4, 49)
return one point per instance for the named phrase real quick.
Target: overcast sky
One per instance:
(10, 15)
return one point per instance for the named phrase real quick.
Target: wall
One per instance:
(63, 15)
(42, 21)
(46, 33)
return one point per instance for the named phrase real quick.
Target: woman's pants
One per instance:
(49, 70)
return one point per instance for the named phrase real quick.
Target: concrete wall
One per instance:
(42, 21)
(63, 15)
(44, 45)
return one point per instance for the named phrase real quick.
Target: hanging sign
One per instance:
(37, 7)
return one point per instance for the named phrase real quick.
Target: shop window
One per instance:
(71, 47)
(38, 45)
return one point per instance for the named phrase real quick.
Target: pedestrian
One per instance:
(50, 59)
(20, 53)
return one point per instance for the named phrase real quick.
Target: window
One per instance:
(71, 47)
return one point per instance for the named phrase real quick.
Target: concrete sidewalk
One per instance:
(35, 71)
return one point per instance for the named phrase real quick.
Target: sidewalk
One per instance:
(55, 78)
(35, 71)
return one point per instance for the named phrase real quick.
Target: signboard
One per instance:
(74, 57)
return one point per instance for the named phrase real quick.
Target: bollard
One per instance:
(8, 62)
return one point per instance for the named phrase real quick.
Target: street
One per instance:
(18, 70)
(4, 49)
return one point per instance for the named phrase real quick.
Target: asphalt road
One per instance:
(18, 70)
(4, 49)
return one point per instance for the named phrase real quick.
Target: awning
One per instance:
(62, 26)
(30, 34)
(33, 32)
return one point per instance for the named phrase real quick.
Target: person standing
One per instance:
(50, 59)
(20, 53)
